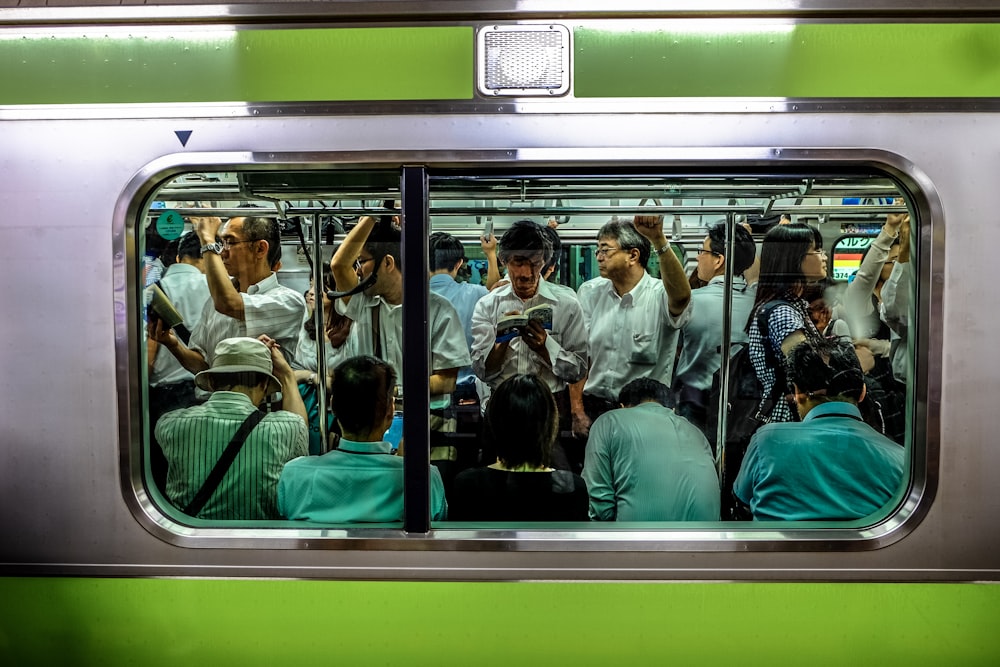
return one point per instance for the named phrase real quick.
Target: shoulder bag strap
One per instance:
(376, 336)
(224, 463)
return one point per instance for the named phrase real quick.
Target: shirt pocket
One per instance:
(645, 349)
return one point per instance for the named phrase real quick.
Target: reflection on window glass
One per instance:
(577, 328)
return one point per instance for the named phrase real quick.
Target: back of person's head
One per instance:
(444, 251)
(826, 370)
(553, 262)
(258, 228)
(523, 238)
(744, 250)
(645, 390)
(522, 421)
(361, 393)
(781, 255)
(624, 233)
(189, 247)
(385, 240)
(169, 254)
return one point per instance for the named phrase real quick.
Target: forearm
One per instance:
(291, 399)
(495, 359)
(225, 297)
(492, 270)
(576, 396)
(443, 381)
(675, 280)
(192, 360)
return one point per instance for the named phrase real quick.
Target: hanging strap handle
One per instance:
(224, 463)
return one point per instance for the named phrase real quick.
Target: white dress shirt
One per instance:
(566, 342)
(632, 335)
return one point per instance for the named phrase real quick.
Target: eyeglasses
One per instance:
(817, 252)
(604, 252)
(229, 243)
(702, 251)
(358, 263)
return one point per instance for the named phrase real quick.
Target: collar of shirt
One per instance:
(833, 408)
(628, 298)
(739, 282)
(364, 447)
(217, 398)
(180, 267)
(441, 279)
(544, 291)
(264, 285)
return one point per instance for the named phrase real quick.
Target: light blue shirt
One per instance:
(360, 482)
(831, 465)
(646, 463)
(701, 335)
(463, 296)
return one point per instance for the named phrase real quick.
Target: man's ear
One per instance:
(800, 396)
(458, 265)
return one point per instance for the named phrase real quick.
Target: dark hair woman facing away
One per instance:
(521, 427)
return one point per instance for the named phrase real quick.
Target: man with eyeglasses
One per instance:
(246, 299)
(631, 318)
(368, 271)
(701, 334)
(558, 356)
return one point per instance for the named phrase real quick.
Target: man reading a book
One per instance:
(552, 343)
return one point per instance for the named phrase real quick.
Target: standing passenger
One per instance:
(701, 334)
(631, 318)
(255, 305)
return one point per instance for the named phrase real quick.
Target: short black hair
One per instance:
(524, 237)
(361, 391)
(385, 240)
(257, 228)
(627, 237)
(189, 246)
(522, 421)
(744, 248)
(826, 370)
(444, 251)
(642, 390)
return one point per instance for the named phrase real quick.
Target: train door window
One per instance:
(563, 310)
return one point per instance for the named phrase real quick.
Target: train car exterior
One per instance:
(103, 108)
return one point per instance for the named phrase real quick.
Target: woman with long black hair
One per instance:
(791, 256)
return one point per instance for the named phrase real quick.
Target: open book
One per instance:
(509, 326)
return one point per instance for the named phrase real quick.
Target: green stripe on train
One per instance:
(216, 65)
(799, 61)
(704, 59)
(245, 623)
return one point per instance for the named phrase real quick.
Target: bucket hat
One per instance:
(240, 355)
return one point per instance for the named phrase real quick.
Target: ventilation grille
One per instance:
(524, 60)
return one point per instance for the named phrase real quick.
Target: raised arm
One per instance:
(675, 281)
(190, 359)
(493, 264)
(342, 263)
(225, 296)
(291, 399)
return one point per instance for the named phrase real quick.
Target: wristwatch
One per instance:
(212, 247)
(660, 251)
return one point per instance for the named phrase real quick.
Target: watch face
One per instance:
(212, 247)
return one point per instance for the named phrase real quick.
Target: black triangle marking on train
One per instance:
(183, 136)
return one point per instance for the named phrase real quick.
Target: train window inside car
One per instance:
(575, 377)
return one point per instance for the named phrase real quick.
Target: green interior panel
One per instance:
(243, 623)
(220, 65)
(788, 60)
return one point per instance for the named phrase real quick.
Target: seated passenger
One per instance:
(646, 463)
(362, 480)
(244, 372)
(521, 426)
(831, 465)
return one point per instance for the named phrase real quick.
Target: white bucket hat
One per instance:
(240, 355)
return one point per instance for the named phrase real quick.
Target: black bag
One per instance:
(746, 410)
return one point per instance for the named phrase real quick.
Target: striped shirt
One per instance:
(193, 440)
(269, 308)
